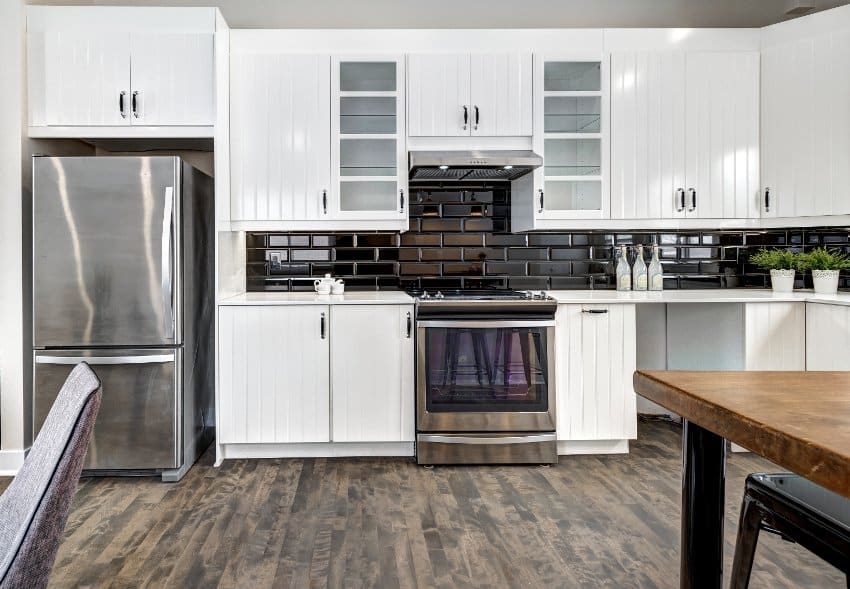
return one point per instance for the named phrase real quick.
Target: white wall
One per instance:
(12, 23)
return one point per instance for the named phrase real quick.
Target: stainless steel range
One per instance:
(485, 383)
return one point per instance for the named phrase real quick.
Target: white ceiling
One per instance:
(486, 13)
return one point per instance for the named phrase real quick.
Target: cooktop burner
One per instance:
(479, 295)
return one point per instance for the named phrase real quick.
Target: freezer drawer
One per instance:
(137, 427)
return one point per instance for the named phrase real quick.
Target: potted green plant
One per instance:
(782, 264)
(825, 266)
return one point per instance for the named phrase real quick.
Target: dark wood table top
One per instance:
(799, 420)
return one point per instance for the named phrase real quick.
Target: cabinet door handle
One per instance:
(465, 116)
(693, 193)
(477, 117)
(322, 325)
(401, 198)
(680, 200)
(541, 200)
(121, 97)
(767, 200)
(135, 104)
(325, 202)
(409, 325)
(594, 311)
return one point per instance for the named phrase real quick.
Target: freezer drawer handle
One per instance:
(153, 359)
(167, 294)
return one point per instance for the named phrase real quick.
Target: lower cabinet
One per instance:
(595, 346)
(372, 373)
(775, 336)
(299, 374)
(274, 379)
(827, 336)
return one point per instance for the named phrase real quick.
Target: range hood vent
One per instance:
(471, 166)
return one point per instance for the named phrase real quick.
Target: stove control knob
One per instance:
(439, 295)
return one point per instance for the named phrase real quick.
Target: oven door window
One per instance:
(486, 369)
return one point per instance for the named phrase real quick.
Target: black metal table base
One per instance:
(703, 493)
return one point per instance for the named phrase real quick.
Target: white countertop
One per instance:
(382, 297)
(397, 297)
(725, 295)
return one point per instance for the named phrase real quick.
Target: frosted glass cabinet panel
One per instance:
(367, 157)
(366, 76)
(572, 114)
(367, 114)
(572, 157)
(572, 196)
(572, 76)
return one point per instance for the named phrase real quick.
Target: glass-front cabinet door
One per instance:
(369, 155)
(570, 132)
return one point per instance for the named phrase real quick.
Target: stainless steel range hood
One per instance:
(471, 166)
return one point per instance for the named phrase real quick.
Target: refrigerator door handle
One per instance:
(167, 266)
(94, 360)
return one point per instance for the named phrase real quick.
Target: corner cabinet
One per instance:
(595, 401)
(315, 380)
(571, 133)
(462, 95)
(684, 135)
(317, 142)
(120, 72)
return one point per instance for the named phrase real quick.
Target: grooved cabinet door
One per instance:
(827, 337)
(775, 336)
(722, 135)
(372, 373)
(280, 116)
(438, 89)
(596, 360)
(273, 374)
(172, 77)
(84, 76)
(501, 91)
(647, 134)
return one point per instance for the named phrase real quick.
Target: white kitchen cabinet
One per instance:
(775, 336)
(279, 138)
(372, 373)
(101, 71)
(368, 140)
(85, 78)
(172, 79)
(596, 356)
(684, 135)
(273, 374)
(827, 336)
(571, 133)
(804, 159)
(461, 95)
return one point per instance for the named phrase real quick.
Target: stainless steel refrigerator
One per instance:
(123, 279)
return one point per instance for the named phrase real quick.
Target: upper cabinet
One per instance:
(804, 158)
(684, 135)
(461, 95)
(317, 142)
(120, 72)
(368, 147)
(571, 133)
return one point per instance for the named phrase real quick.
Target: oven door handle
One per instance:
(489, 440)
(485, 324)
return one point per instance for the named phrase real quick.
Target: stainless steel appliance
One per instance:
(122, 279)
(485, 378)
(472, 166)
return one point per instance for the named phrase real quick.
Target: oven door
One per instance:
(485, 376)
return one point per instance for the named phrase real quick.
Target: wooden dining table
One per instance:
(798, 420)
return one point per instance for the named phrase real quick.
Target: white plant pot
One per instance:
(782, 280)
(826, 281)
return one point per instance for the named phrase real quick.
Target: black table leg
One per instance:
(703, 491)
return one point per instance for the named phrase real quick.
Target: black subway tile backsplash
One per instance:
(462, 239)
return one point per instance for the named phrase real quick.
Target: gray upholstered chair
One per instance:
(34, 509)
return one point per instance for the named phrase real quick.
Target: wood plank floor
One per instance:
(608, 521)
